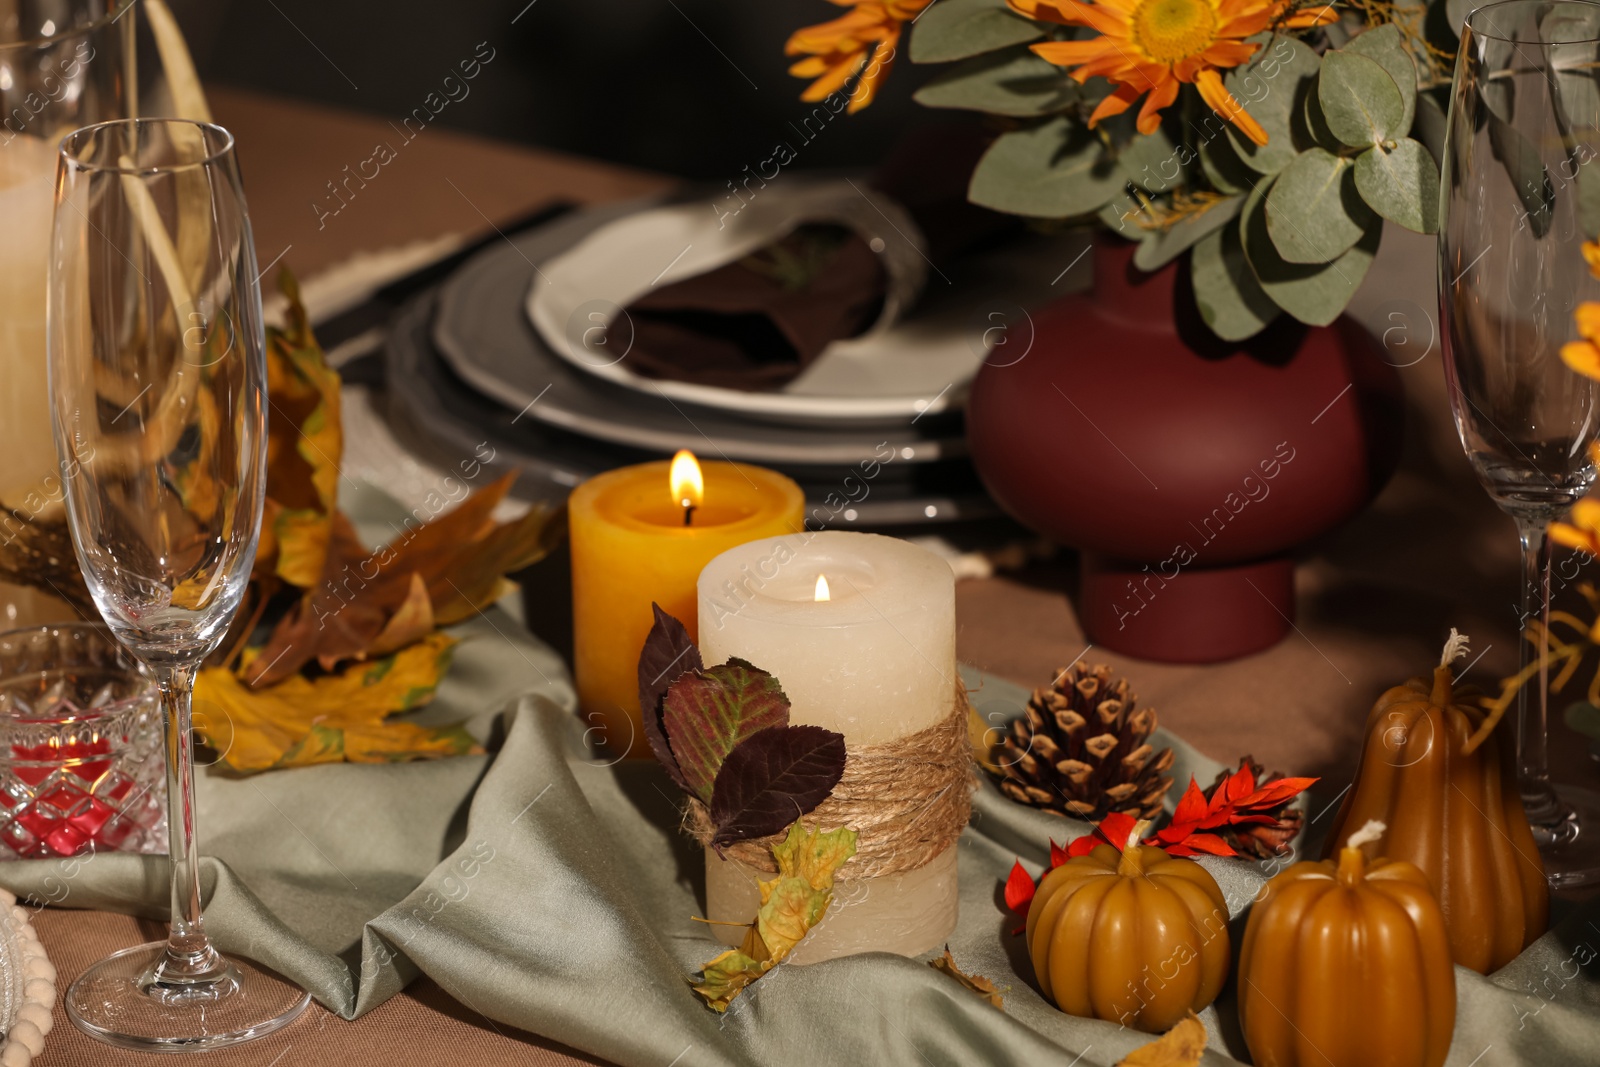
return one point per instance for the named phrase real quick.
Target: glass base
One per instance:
(1568, 834)
(121, 1001)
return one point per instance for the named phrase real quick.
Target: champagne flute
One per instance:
(1521, 193)
(157, 378)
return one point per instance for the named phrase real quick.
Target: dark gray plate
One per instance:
(441, 417)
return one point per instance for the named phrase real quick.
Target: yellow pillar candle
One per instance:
(631, 546)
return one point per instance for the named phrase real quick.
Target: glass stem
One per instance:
(1533, 699)
(190, 957)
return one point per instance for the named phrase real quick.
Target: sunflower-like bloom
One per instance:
(1584, 356)
(1154, 46)
(862, 42)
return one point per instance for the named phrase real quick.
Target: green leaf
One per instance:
(1313, 293)
(708, 712)
(1315, 125)
(1430, 125)
(1386, 47)
(1010, 82)
(1154, 163)
(1584, 718)
(1269, 86)
(1313, 211)
(1052, 170)
(1589, 201)
(1230, 299)
(1163, 246)
(957, 29)
(1526, 171)
(1223, 168)
(1360, 100)
(1402, 185)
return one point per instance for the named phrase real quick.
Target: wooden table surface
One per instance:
(1375, 595)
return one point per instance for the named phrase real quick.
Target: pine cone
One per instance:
(1260, 840)
(1081, 750)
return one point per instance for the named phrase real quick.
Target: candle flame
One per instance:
(688, 485)
(822, 589)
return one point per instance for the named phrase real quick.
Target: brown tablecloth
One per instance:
(1375, 596)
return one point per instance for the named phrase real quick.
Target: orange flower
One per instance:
(862, 42)
(1153, 46)
(1583, 532)
(1584, 356)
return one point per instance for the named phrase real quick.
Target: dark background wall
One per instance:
(697, 88)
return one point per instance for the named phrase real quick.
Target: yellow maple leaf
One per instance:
(813, 855)
(791, 905)
(301, 721)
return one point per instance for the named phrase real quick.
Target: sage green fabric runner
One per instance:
(552, 891)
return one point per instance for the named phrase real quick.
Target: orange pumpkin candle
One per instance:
(641, 534)
(1135, 937)
(1347, 964)
(1434, 771)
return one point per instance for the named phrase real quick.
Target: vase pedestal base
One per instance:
(1200, 615)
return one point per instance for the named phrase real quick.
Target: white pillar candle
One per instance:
(875, 661)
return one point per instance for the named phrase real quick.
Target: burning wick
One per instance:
(688, 485)
(822, 590)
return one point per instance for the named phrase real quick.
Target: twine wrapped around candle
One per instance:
(907, 800)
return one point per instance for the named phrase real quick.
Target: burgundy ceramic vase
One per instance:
(1185, 468)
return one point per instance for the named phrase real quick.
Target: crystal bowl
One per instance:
(81, 761)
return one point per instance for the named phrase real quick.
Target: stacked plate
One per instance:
(486, 358)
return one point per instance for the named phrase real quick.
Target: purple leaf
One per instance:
(709, 711)
(772, 778)
(668, 653)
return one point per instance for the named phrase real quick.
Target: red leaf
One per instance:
(1019, 889)
(1192, 808)
(1058, 855)
(1209, 843)
(668, 653)
(707, 712)
(1115, 828)
(1275, 793)
(1240, 784)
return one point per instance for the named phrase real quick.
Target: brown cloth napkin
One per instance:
(756, 323)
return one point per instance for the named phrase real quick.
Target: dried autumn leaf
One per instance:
(460, 557)
(1182, 1046)
(335, 717)
(772, 778)
(669, 652)
(412, 620)
(305, 439)
(980, 985)
(814, 856)
(709, 711)
(792, 903)
(725, 977)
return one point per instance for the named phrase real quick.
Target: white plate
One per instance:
(903, 367)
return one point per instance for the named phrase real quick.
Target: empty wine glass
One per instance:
(1521, 193)
(157, 373)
